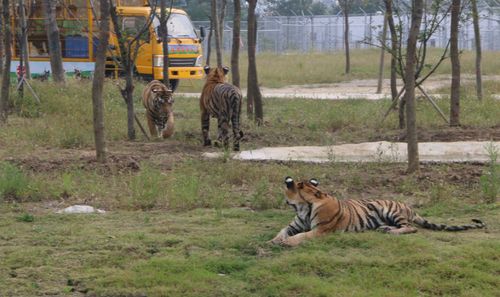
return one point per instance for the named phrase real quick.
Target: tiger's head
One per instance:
(216, 75)
(162, 97)
(304, 192)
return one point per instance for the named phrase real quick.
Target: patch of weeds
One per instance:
(66, 185)
(227, 266)
(184, 191)
(490, 180)
(13, 182)
(26, 107)
(147, 188)
(260, 199)
(26, 217)
(73, 139)
(440, 193)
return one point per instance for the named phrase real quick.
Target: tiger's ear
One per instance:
(289, 182)
(206, 69)
(317, 194)
(225, 69)
(314, 182)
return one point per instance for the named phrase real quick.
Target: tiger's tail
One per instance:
(476, 224)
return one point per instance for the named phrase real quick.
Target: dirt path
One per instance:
(383, 151)
(355, 89)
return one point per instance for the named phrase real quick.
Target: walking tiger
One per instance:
(222, 101)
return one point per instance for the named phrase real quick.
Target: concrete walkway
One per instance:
(441, 152)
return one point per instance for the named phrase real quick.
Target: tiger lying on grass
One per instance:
(158, 101)
(319, 213)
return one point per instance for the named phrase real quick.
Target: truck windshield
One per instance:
(178, 25)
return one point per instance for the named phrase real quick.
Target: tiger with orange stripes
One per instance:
(318, 213)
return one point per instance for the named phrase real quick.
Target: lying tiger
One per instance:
(319, 213)
(158, 101)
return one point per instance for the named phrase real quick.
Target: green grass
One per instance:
(181, 225)
(316, 68)
(200, 253)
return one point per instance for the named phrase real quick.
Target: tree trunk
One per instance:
(254, 96)
(54, 43)
(394, 48)
(411, 51)
(215, 20)
(24, 39)
(4, 95)
(1, 40)
(127, 64)
(477, 39)
(221, 21)
(345, 10)
(235, 50)
(98, 84)
(455, 65)
(129, 99)
(382, 55)
(209, 41)
(164, 37)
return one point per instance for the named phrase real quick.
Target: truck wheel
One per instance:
(174, 83)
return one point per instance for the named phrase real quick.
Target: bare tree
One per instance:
(1, 38)
(394, 48)
(455, 64)
(383, 39)
(423, 69)
(345, 5)
(4, 95)
(128, 51)
(23, 39)
(216, 25)
(209, 40)
(235, 49)
(54, 43)
(254, 96)
(164, 38)
(411, 63)
(222, 15)
(477, 39)
(98, 83)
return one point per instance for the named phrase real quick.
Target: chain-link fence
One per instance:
(326, 33)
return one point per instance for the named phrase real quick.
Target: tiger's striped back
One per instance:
(221, 100)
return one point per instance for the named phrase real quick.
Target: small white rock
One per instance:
(81, 209)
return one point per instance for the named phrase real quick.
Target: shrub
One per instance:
(13, 182)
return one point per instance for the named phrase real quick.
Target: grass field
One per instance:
(180, 225)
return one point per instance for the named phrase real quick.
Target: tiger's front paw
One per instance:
(278, 240)
(207, 142)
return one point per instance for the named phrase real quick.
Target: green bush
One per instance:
(13, 182)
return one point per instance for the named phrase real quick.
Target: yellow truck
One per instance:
(78, 25)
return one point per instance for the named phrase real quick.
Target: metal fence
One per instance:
(281, 34)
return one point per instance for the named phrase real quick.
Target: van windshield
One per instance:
(178, 25)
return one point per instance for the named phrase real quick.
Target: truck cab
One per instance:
(184, 44)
